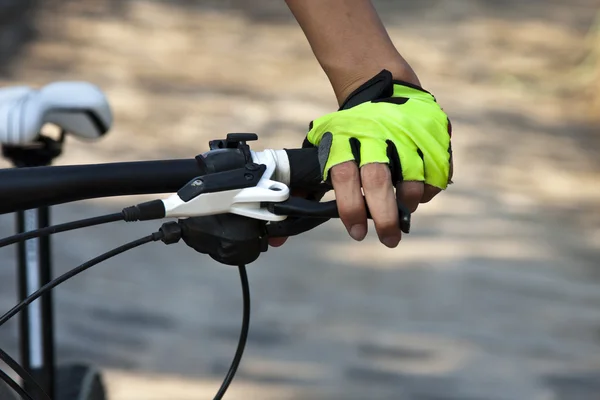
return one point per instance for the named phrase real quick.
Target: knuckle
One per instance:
(375, 175)
(344, 172)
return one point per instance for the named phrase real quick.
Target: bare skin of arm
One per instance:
(350, 42)
(352, 45)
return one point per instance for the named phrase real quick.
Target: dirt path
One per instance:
(493, 296)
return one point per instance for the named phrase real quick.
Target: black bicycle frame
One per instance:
(36, 324)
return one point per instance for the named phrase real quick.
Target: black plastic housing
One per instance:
(227, 238)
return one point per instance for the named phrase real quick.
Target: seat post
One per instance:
(36, 323)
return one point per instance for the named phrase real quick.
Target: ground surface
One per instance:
(496, 293)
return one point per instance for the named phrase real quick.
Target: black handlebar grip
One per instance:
(305, 170)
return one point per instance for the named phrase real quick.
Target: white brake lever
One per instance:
(244, 201)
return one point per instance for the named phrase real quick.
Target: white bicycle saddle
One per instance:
(79, 108)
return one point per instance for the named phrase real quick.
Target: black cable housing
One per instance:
(68, 226)
(169, 233)
(15, 386)
(22, 372)
(237, 358)
(76, 271)
(55, 282)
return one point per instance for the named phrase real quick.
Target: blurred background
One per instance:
(495, 295)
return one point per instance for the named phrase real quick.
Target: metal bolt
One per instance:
(248, 177)
(197, 182)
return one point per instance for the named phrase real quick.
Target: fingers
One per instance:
(375, 179)
(379, 193)
(345, 179)
(429, 193)
(413, 190)
(277, 241)
(410, 193)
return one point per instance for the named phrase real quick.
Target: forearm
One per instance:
(350, 42)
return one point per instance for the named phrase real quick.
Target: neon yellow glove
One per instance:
(387, 121)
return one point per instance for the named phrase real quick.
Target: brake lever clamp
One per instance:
(240, 191)
(232, 230)
(222, 213)
(228, 218)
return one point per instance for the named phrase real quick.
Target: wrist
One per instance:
(345, 80)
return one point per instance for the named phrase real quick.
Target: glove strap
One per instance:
(380, 86)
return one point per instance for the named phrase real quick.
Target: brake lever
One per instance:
(309, 214)
(293, 226)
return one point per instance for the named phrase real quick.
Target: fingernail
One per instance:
(358, 232)
(391, 241)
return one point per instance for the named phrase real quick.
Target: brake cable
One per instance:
(75, 271)
(169, 236)
(15, 386)
(239, 352)
(49, 286)
(22, 372)
(68, 226)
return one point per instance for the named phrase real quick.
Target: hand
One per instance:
(381, 196)
(387, 135)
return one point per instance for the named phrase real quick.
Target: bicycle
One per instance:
(226, 203)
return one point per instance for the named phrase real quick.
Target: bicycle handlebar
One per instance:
(26, 188)
(229, 199)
